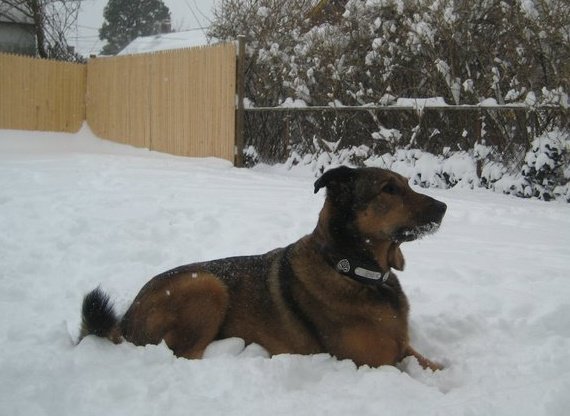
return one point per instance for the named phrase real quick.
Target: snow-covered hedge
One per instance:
(390, 52)
(545, 173)
(393, 52)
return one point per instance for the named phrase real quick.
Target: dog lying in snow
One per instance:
(333, 291)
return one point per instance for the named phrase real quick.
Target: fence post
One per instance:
(240, 92)
(479, 120)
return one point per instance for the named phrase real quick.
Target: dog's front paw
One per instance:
(423, 361)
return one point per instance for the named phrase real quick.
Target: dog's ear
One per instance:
(334, 179)
(396, 258)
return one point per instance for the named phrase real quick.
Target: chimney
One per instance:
(165, 26)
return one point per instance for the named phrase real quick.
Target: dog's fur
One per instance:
(293, 299)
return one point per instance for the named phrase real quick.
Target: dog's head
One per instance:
(372, 207)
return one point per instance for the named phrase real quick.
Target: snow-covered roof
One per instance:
(10, 14)
(166, 41)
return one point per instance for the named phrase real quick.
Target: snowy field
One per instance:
(490, 293)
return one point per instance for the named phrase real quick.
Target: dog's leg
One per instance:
(199, 317)
(185, 310)
(423, 361)
(192, 336)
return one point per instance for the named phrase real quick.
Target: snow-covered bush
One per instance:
(547, 166)
(544, 175)
(250, 156)
(462, 51)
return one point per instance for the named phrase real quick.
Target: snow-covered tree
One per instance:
(126, 20)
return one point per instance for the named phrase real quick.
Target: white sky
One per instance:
(185, 14)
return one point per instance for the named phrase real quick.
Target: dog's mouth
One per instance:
(413, 233)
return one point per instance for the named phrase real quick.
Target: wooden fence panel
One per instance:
(37, 94)
(118, 100)
(180, 102)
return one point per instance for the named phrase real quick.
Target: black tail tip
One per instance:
(98, 315)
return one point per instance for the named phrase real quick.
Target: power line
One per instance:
(88, 27)
(202, 13)
(194, 14)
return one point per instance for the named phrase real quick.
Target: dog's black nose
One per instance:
(431, 211)
(438, 209)
(441, 207)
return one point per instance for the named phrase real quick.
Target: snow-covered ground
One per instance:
(490, 292)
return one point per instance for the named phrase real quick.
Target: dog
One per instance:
(333, 291)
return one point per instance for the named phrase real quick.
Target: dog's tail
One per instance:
(98, 317)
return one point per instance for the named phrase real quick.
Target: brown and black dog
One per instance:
(330, 292)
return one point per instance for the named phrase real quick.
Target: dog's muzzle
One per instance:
(428, 222)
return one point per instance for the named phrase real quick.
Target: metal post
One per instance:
(479, 140)
(240, 92)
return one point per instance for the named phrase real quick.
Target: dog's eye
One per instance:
(391, 189)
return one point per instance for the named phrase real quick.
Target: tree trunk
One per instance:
(38, 16)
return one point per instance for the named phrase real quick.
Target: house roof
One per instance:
(166, 41)
(10, 14)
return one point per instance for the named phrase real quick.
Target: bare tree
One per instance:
(53, 21)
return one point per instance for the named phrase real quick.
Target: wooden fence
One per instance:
(38, 94)
(180, 102)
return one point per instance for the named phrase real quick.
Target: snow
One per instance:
(167, 41)
(420, 103)
(293, 103)
(489, 292)
(392, 136)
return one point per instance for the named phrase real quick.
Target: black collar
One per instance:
(361, 274)
(359, 268)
